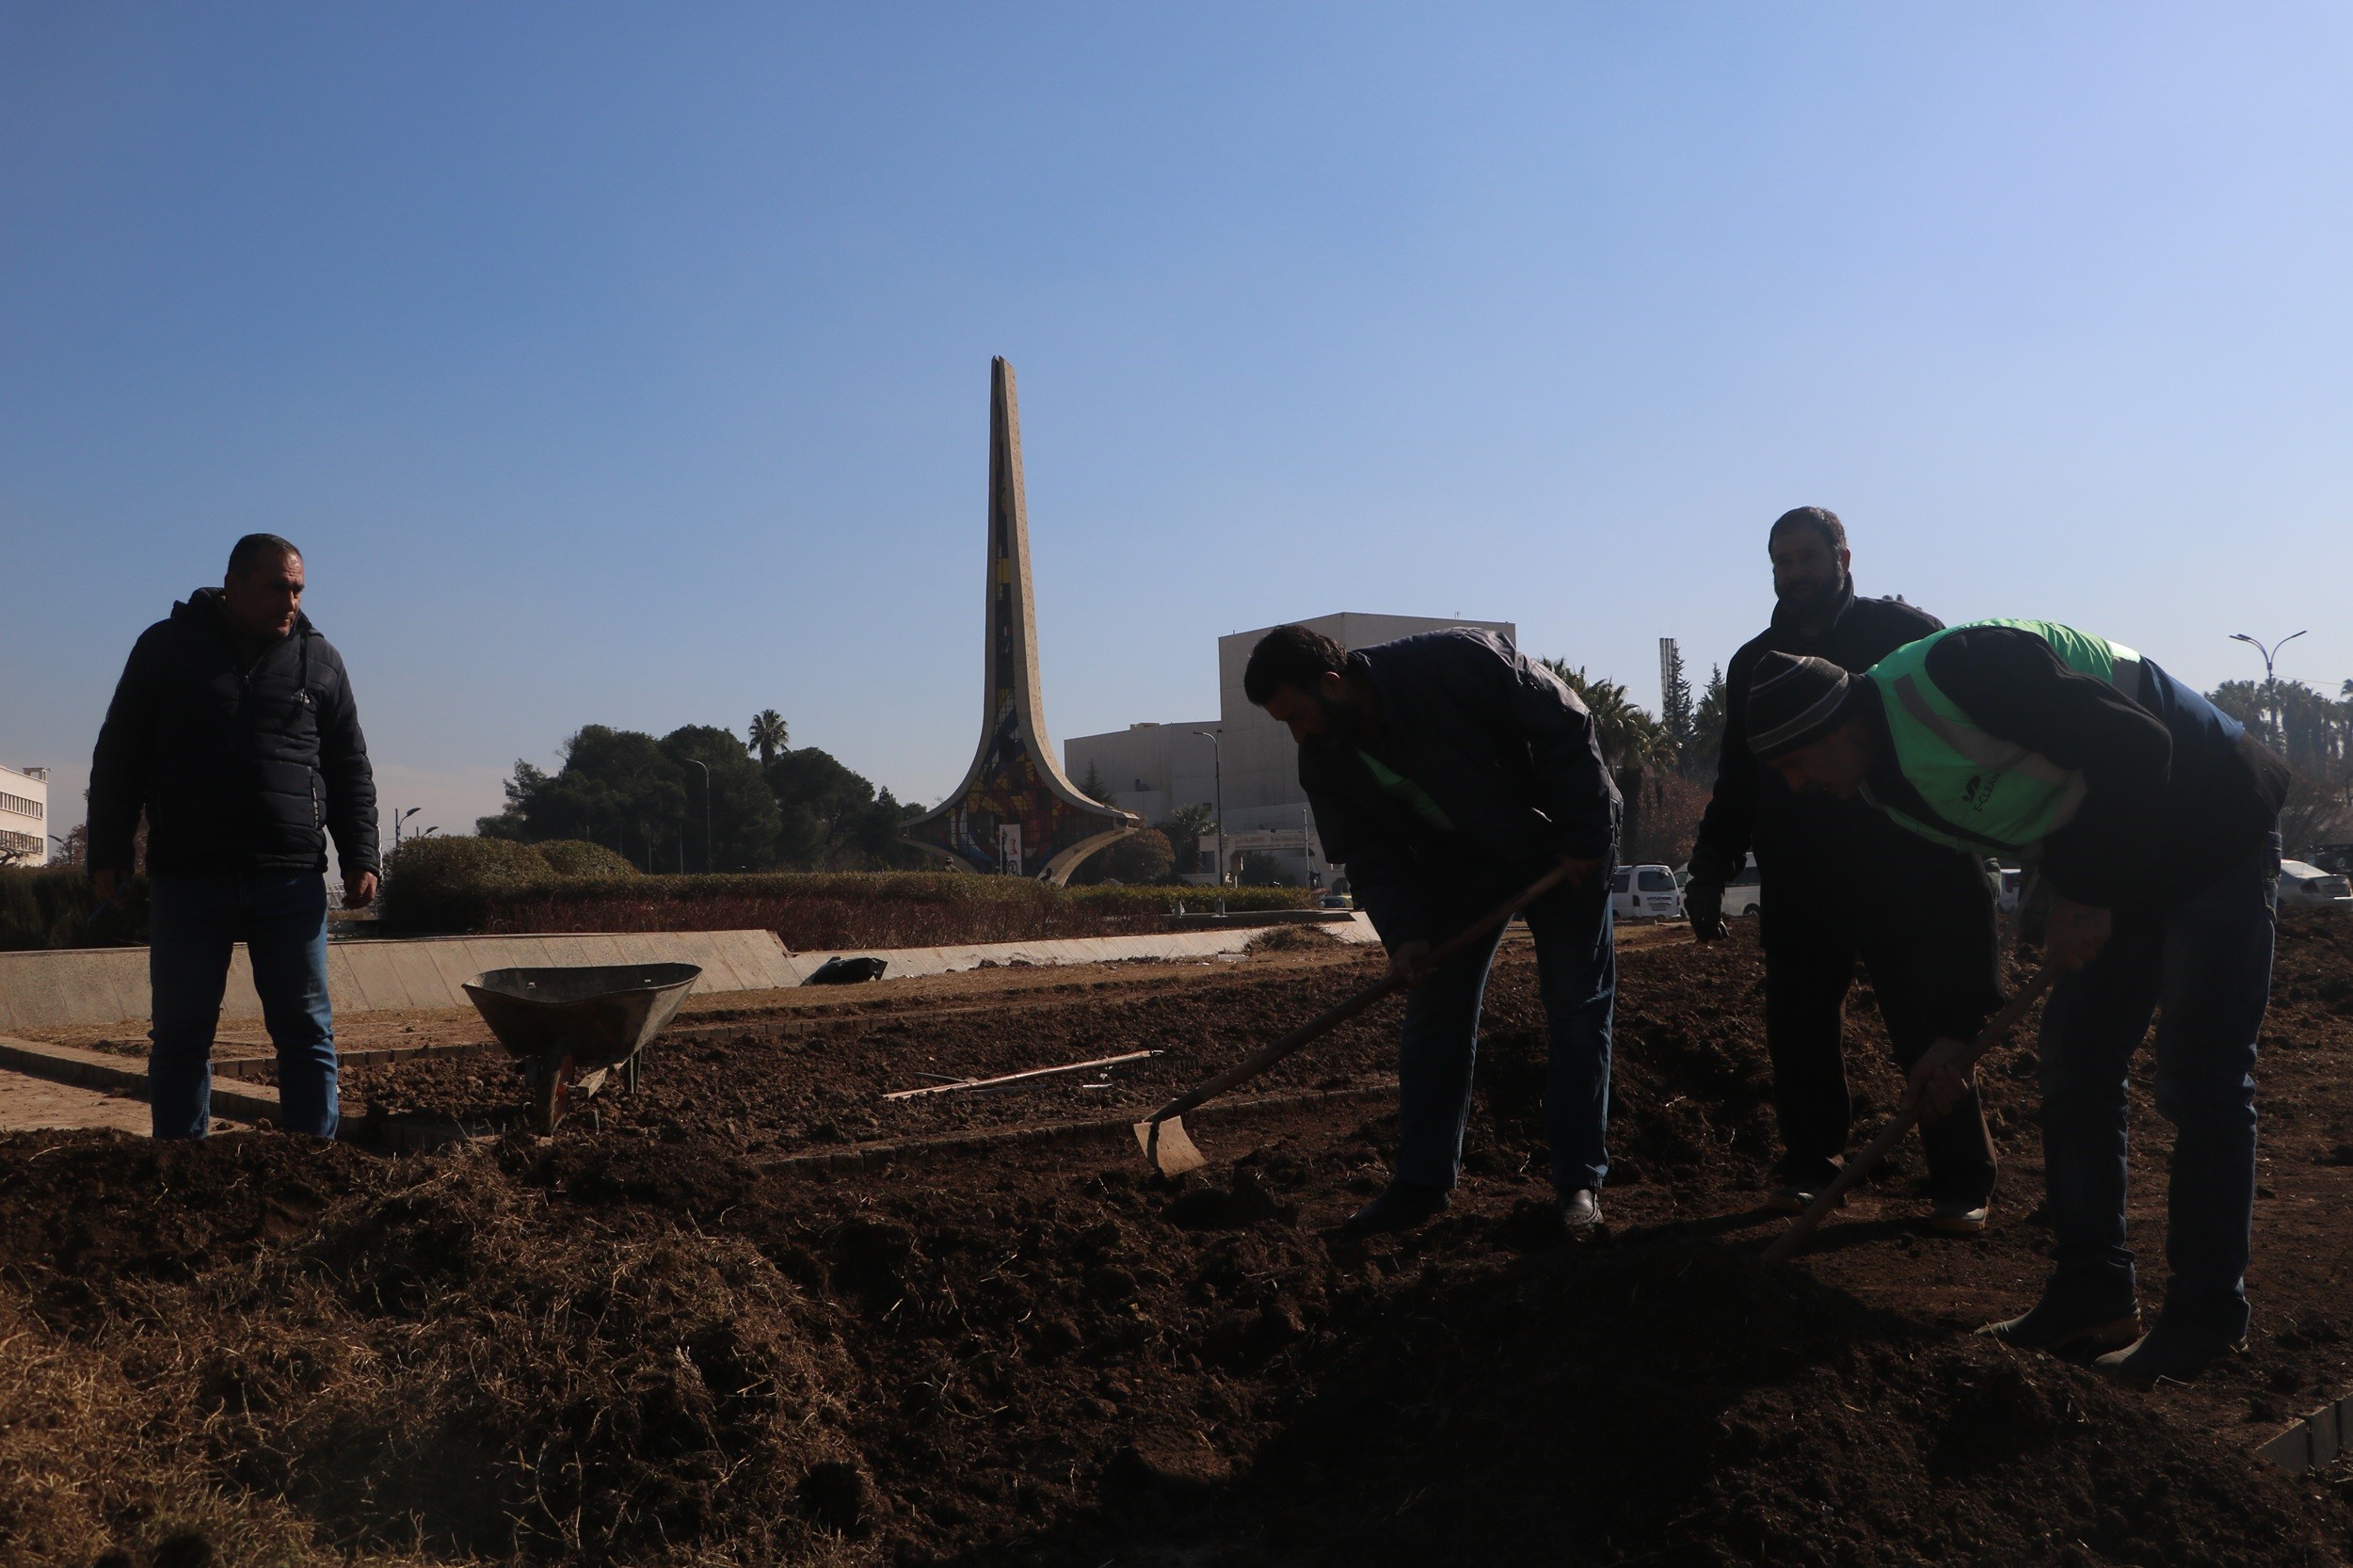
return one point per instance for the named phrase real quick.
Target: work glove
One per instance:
(1704, 907)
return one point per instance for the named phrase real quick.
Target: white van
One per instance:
(1741, 894)
(1645, 893)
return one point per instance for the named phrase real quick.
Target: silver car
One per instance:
(2304, 886)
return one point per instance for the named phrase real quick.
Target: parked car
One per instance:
(1645, 893)
(1337, 900)
(2332, 858)
(1741, 894)
(2305, 886)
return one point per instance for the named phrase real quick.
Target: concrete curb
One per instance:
(92, 1069)
(63, 988)
(2314, 1440)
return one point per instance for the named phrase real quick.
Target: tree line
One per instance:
(699, 799)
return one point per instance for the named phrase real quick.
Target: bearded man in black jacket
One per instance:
(234, 731)
(1840, 885)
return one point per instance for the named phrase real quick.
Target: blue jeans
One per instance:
(2204, 966)
(193, 921)
(1577, 976)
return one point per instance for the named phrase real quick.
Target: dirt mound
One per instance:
(1687, 1404)
(657, 1345)
(1290, 938)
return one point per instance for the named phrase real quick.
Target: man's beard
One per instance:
(1814, 595)
(1338, 732)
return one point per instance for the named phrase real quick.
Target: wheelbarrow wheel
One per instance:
(553, 1087)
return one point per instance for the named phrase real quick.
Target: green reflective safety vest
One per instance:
(1985, 791)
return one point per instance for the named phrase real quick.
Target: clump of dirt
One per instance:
(1290, 938)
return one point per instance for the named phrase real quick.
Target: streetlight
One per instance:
(2271, 684)
(400, 816)
(706, 767)
(1218, 764)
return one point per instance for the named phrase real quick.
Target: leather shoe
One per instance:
(1796, 1197)
(2060, 1324)
(1580, 1214)
(1401, 1205)
(1959, 1216)
(2171, 1351)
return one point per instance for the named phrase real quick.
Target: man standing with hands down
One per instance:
(233, 728)
(2155, 821)
(1448, 771)
(1840, 885)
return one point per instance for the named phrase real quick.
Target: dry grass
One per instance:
(438, 1369)
(81, 1475)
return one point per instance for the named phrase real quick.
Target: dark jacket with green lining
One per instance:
(1507, 754)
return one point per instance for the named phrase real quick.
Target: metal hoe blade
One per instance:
(1168, 1147)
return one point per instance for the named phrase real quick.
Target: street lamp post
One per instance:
(1217, 755)
(400, 816)
(706, 767)
(2271, 683)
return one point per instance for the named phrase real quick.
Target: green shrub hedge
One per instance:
(55, 906)
(461, 884)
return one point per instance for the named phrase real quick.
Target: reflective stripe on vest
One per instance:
(1986, 791)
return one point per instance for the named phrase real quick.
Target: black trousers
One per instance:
(1923, 932)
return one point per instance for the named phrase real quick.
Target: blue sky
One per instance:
(628, 364)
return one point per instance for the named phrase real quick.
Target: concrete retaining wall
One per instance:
(103, 985)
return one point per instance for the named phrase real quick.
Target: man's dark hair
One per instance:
(251, 551)
(1820, 519)
(1290, 656)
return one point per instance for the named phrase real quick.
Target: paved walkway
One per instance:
(32, 1104)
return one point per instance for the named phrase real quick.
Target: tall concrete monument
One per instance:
(1014, 814)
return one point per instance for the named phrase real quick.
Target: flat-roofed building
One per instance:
(1156, 769)
(25, 816)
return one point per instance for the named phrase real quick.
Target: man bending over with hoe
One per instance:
(2153, 821)
(1448, 771)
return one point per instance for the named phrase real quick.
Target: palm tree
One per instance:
(1629, 736)
(769, 734)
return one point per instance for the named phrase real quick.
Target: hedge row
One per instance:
(498, 885)
(53, 906)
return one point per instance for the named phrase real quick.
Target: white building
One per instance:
(1156, 769)
(24, 816)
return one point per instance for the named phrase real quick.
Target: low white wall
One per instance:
(103, 985)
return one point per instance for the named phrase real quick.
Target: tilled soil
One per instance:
(664, 1342)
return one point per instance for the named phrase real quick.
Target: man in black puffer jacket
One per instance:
(233, 728)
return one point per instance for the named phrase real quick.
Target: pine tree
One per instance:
(1676, 718)
(1708, 729)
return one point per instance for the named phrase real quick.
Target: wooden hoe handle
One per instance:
(1258, 1062)
(1864, 1164)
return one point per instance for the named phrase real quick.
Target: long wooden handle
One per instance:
(1258, 1062)
(1864, 1164)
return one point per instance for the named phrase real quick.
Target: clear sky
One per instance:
(629, 364)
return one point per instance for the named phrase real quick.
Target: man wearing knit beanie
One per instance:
(2153, 819)
(1843, 888)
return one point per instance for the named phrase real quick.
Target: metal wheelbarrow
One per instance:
(571, 1026)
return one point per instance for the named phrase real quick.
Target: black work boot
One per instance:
(2064, 1323)
(1401, 1205)
(2174, 1349)
(1796, 1185)
(1580, 1214)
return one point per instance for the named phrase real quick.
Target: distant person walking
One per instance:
(234, 730)
(1447, 771)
